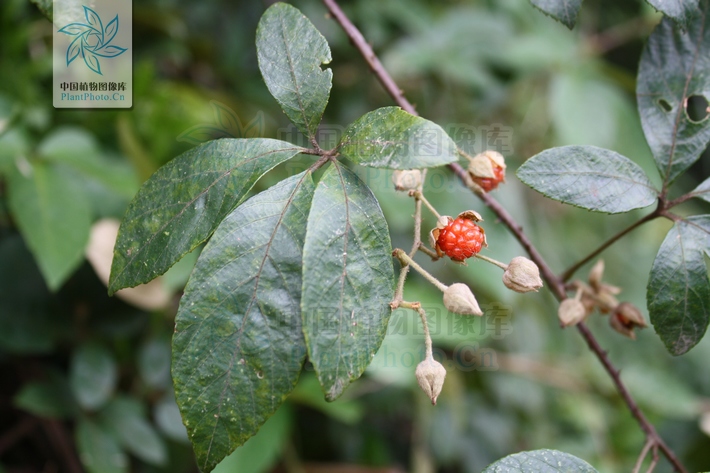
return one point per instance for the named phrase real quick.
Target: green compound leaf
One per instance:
(348, 279)
(238, 346)
(681, 11)
(290, 51)
(54, 218)
(564, 11)
(678, 292)
(589, 177)
(391, 138)
(675, 66)
(183, 202)
(540, 461)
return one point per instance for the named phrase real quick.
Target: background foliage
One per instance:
(92, 372)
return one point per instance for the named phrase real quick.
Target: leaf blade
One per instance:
(54, 218)
(391, 138)
(290, 51)
(678, 287)
(564, 11)
(93, 375)
(673, 67)
(245, 329)
(201, 187)
(98, 450)
(349, 274)
(682, 12)
(702, 191)
(589, 177)
(540, 461)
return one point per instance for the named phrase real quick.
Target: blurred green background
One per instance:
(86, 383)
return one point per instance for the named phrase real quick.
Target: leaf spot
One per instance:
(665, 105)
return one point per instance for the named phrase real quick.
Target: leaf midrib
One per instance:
(257, 278)
(189, 203)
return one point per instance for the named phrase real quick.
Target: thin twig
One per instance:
(573, 269)
(654, 460)
(419, 195)
(556, 284)
(405, 259)
(425, 326)
(366, 50)
(494, 262)
(642, 456)
(63, 445)
(416, 245)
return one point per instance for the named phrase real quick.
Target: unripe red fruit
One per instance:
(461, 239)
(489, 183)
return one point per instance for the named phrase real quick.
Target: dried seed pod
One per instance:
(487, 169)
(571, 312)
(625, 318)
(459, 299)
(430, 376)
(407, 180)
(522, 275)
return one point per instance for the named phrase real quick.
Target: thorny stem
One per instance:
(406, 260)
(555, 283)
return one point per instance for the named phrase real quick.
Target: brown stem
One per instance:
(556, 284)
(372, 60)
(63, 444)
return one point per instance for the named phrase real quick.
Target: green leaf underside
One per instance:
(589, 177)
(290, 51)
(564, 11)
(678, 292)
(183, 202)
(348, 279)
(540, 461)
(238, 346)
(681, 11)
(674, 66)
(54, 218)
(702, 191)
(391, 138)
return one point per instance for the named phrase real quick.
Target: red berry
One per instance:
(461, 239)
(489, 183)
